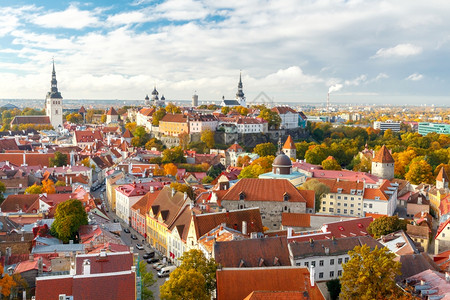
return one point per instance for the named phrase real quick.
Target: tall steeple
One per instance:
(53, 102)
(240, 93)
(54, 86)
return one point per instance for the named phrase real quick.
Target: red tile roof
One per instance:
(347, 228)
(289, 144)
(105, 262)
(174, 118)
(147, 111)
(44, 120)
(256, 189)
(127, 134)
(442, 175)
(295, 220)
(235, 147)
(14, 203)
(441, 227)
(234, 283)
(112, 112)
(8, 144)
(87, 136)
(31, 159)
(281, 110)
(275, 295)
(383, 156)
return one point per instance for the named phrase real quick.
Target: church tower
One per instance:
(289, 148)
(53, 103)
(240, 93)
(383, 164)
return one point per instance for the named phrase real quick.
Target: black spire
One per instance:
(240, 93)
(54, 85)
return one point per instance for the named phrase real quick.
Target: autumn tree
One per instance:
(69, 216)
(173, 109)
(241, 110)
(154, 143)
(157, 116)
(251, 171)
(225, 109)
(419, 172)
(301, 149)
(131, 126)
(271, 117)
(265, 149)
(170, 169)
(243, 161)
(184, 140)
(207, 137)
(319, 189)
(195, 278)
(183, 188)
(147, 281)
(141, 137)
(103, 119)
(60, 183)
(207, 179)
(385, 225)
(174, 155)
(331, 164)
(75, 118)
(265, 162)
(369, 274)
(316, 154)
(6, 282)
(2, 191)
(58, 160)
(33, 189)
(48, 187)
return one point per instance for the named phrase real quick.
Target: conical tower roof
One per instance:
(289, 144)
(383, 156)
(442, 175)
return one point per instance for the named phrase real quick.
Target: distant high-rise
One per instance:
(53, 103)
(195, 100)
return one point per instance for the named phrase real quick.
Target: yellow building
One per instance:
(174, 124)
(439, 192)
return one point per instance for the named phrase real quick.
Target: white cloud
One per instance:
(381, 76)
(72, 18)
(415, 77)
(357, 81)
(401, 50)
(127, 18)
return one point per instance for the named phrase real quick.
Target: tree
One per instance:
(60, 183)
(225, 109)
(157, 116)
(34, 189)
(419, 172)
(195, 278)
(147, 281)
(174, 155)
(141, 137)
(265, 149)
(75, 118)
(170, 169)
(301, 148)
(207, 137)
(316, 154)
(334, 288)
(183, 188)
(58, 160)
(331, 164)
(252, 171)
(103, 119)
(319, 189)
(2, 190)
(6, 282)
(369, 274)
(131, 126)
(207, 179)
(265, 162)
(48, 187)
(184, 140)
(243, 161)
(271, 117)
(173, 109)
(385, 225)
(154, 143)
(69, 216)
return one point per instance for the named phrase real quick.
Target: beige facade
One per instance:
(342, 204)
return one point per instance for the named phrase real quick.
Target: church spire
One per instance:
(54, 84)
(240, 93)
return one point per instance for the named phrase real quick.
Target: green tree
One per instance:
(207, 137)
(2, 190)
(301, 148)
(319, 189)
(265, 149)
(252, 171)
(34, 189)
(60, 183)
(147, 281)
(174, 155)
(271, 117)
(331, 164)
(173, 109)
(207, 179)
(58, 160)
(194, 279)
(154, 143)
(69, 216)
(369, 274)
(157, 116)
(419, 172)
(385, 225)
(75, 118)
(225, 109)
(316, 154)
(334, 288)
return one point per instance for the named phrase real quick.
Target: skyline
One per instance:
(361, 51)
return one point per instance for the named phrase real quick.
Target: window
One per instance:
(339, 273)
(338, 210)
(351, 211)
(321, 275)
(339, 261)
(345, 198)
(339, 197)
(370, 205)
(330, 209)
(323, 208)
(321, 263)
(352, 205)
(331, 203)
(345, 204)
(313, 263)
(306, 264)
(339, 203)
(331, 196)
(365, 205)
(346, 259)
(352, 198)
(298, 264)
(324, 202)
(332, 261)
(345, 211)
(331, 274)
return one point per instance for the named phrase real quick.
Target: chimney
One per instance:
(337, 179)
(185, 195)
(86, 267)
(327, 250)
(152, 189)
(173, 192)
(30, 257)
(289, 232)
(312, 273)
(244, 227)
(419, 200)
(40, 265)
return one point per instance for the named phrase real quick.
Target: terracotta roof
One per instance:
(444, 206)
(87, 136)
(289, 144)
(238, 283)
(295, 220)
(127, 134)
(383, 156)
(256, 189)
(275, 295)
(418, 231)
(13, 203)
(177, 118)
(105, 262)
(147, 111)
(345, 186)
(281, 110)
(233, 219)
(112, 112)
(235, 147)
(44, 120)
(145, 203)
(347, 228)
(442, 175)
(28, 265)
(441, 227)
(8, 144)
(435, 281)
(182, 222)
(31, 159)
(82, 109)
(255, 252)
(167, 205)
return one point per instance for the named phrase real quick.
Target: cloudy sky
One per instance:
(394, 51)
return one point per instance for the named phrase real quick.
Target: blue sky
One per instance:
(363, 51)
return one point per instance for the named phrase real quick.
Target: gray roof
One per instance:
(231, 102)
(59, 248)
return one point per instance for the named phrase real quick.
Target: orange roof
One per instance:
(289, 144)
(147, 111)
(295, 220)
(346, 186)
(112, 112)
(375, 216)
(383, 156)
(442, 176)
(230, 281)
(235, 147)
(275, 295)
(174, 118)
(127, 134)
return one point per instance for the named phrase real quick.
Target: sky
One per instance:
(361, 51)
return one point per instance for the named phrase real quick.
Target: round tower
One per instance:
(383, 164)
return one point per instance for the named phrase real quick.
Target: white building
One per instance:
(289, 117)
(251, 125)
(53, 103)
(126, 196)
(394, 126)
(382, 200)
(200, 123)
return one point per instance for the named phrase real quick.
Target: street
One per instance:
(127, 240)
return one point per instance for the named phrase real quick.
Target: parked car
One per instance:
(152, 260)
(157, 265)
(126, 230)
(149, 255)
(133, 236)
(161, 266)
(166, 271)
(139, 247)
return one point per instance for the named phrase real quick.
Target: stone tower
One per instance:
(383, 164)
(195, 100)
(53, 103)
(289, 148)
(240, 93)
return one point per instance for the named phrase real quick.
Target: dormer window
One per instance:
(339, 190)
(241, 196)
(285, 197)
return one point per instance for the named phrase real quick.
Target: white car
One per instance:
(139, 247)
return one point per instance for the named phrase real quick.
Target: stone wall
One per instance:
(16, 247)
